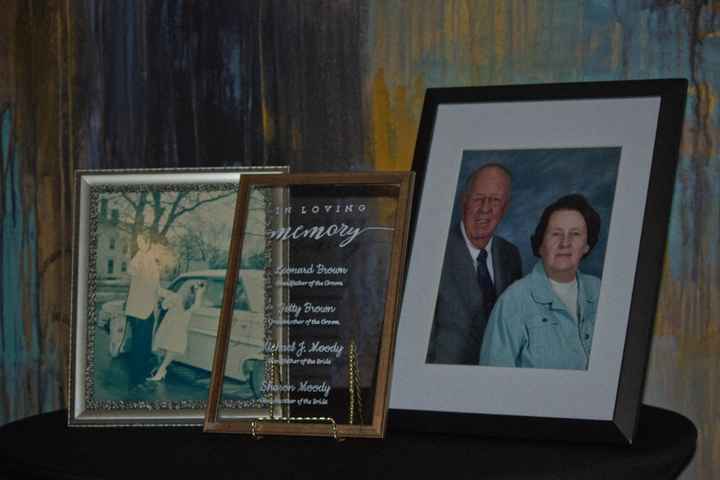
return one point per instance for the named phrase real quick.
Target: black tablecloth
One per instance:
(43, 447)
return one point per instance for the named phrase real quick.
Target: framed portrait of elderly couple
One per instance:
(537, 247)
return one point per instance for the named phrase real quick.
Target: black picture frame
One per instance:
(415, 403)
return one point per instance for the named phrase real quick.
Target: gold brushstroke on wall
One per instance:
(500, 46)
(707, 104)
(381, 129)
(448, 15)
(482, 39)
(404, 129)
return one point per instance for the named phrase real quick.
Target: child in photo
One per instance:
(172, 334)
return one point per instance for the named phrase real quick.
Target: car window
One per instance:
(176, 286)
(213, 297)
(214, 293)
(241, 297)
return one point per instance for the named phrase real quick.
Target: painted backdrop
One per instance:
(323, 85)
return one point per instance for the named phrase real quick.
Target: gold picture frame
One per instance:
(367, 249)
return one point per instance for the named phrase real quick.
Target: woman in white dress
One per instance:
(171, 336)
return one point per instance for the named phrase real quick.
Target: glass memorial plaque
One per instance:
(310, 304)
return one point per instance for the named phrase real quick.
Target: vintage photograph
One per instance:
(524, 257)
(151, 266)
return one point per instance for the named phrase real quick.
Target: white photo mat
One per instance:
(628, 123)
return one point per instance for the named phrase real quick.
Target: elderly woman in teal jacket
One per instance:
(547, 318)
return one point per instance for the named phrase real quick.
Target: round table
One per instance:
(44, 447)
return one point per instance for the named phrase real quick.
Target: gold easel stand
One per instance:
(330, 421)
(354, 392)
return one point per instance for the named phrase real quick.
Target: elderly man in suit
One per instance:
(478, 266)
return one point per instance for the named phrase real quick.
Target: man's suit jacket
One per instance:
(142, 296)
(460, 320)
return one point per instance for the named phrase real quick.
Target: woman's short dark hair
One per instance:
(575, 202)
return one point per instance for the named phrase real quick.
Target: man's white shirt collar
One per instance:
(474, 251)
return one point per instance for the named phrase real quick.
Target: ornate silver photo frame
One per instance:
(150, 251)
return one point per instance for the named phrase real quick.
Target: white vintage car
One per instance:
(245, 361)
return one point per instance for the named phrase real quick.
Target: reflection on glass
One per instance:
(311, 349)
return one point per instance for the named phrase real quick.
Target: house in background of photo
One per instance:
(113, 244)
(113, 250)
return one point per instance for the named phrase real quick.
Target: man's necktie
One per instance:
(485, 282)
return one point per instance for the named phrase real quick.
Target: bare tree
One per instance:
(158, 212)
(161, 214)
